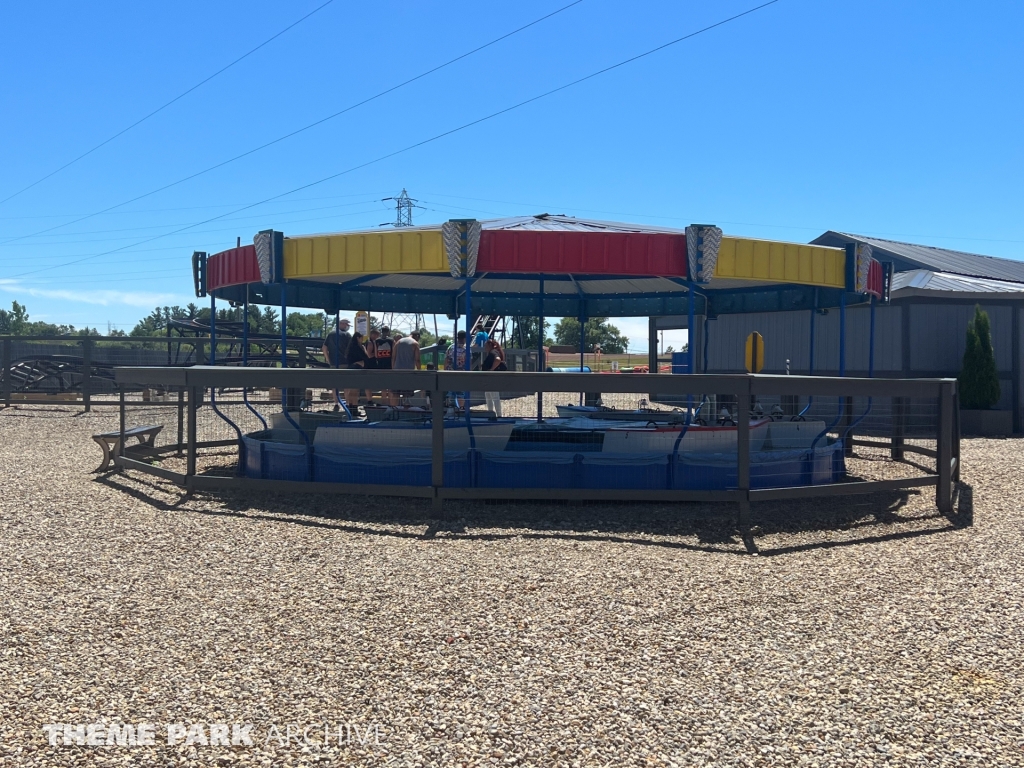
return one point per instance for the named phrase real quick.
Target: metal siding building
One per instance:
(920, 334)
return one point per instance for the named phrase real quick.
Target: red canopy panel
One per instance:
(587, 253)
(875, 282)
(235, 266)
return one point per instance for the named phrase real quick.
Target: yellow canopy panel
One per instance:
(743, 258)
(364, 253)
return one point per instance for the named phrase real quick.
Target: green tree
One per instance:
(979, 379)
(598, 331)
(155, 324)
(15, 321)
(308, 324)
(528, 325)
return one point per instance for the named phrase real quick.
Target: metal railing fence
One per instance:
(927, 405)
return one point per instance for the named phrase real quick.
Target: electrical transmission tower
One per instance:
(403, 209)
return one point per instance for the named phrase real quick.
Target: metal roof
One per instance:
(542, 222)
(923, 281)
(907, 256)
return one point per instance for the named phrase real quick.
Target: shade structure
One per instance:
(547, 265)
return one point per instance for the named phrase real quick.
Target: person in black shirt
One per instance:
(385, 347)
(335, 349)
(336, 344)
(357, 358)
(371, 349)
(384, 350)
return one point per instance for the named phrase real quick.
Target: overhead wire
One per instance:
(167, 104)
(434, 138)
(373, 195)
(304, 128)
(160, 226)
(206, 231)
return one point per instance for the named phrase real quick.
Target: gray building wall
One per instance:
(787, 336)
(931, 344)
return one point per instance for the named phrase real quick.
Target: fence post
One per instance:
(847, 423)
(956, 434)
(7, 372)
(743, 454)
(190, 461)
(944, 460)
(899, 419)
(87, 373)
(120, 439)
(181, 420)
(437, 445)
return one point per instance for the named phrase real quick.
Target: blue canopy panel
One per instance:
(519, 294)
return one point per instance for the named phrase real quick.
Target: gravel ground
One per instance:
(869, 631)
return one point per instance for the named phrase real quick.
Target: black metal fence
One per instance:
(747, 438)
(42, 370)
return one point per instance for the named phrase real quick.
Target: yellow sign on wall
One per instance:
(755, 352)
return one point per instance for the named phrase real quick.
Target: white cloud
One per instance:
(102, 298)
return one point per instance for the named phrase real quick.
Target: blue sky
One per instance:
(898, 119)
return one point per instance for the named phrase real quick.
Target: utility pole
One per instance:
(403, 209)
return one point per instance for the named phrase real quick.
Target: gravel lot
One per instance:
(869, 631)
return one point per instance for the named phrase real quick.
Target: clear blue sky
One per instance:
(898, 119)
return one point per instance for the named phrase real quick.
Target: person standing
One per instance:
(494, 360)
(357, 358)
(384, 349)
(335, 346)
(407, 353)
(371, 349)
(407, 358)
(455, 356)
(335, 349)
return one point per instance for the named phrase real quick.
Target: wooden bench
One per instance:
(110, 442)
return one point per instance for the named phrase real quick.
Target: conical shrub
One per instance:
(979, 380)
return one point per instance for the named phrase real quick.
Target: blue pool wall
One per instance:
(282, 460)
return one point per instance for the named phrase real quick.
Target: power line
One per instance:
(186, 208)
(430, 140)
(305, 127)
(161, 226)
(165, 106)
(204, 231)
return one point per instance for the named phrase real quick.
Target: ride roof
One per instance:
(549, 265)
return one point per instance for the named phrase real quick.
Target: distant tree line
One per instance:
(15, 322)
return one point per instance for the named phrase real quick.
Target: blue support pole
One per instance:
(540, 349)
(337, 360)
(842, 369)
(469, 325)
(213, 390)
(691, 355)
(284, 366)
(871, 369)
(583, 337)
(842, 334)
(871, 342)
(810, 355)
(245, 356)
(213, 329)
(704, 367)
(814, 312)
(691, 352)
